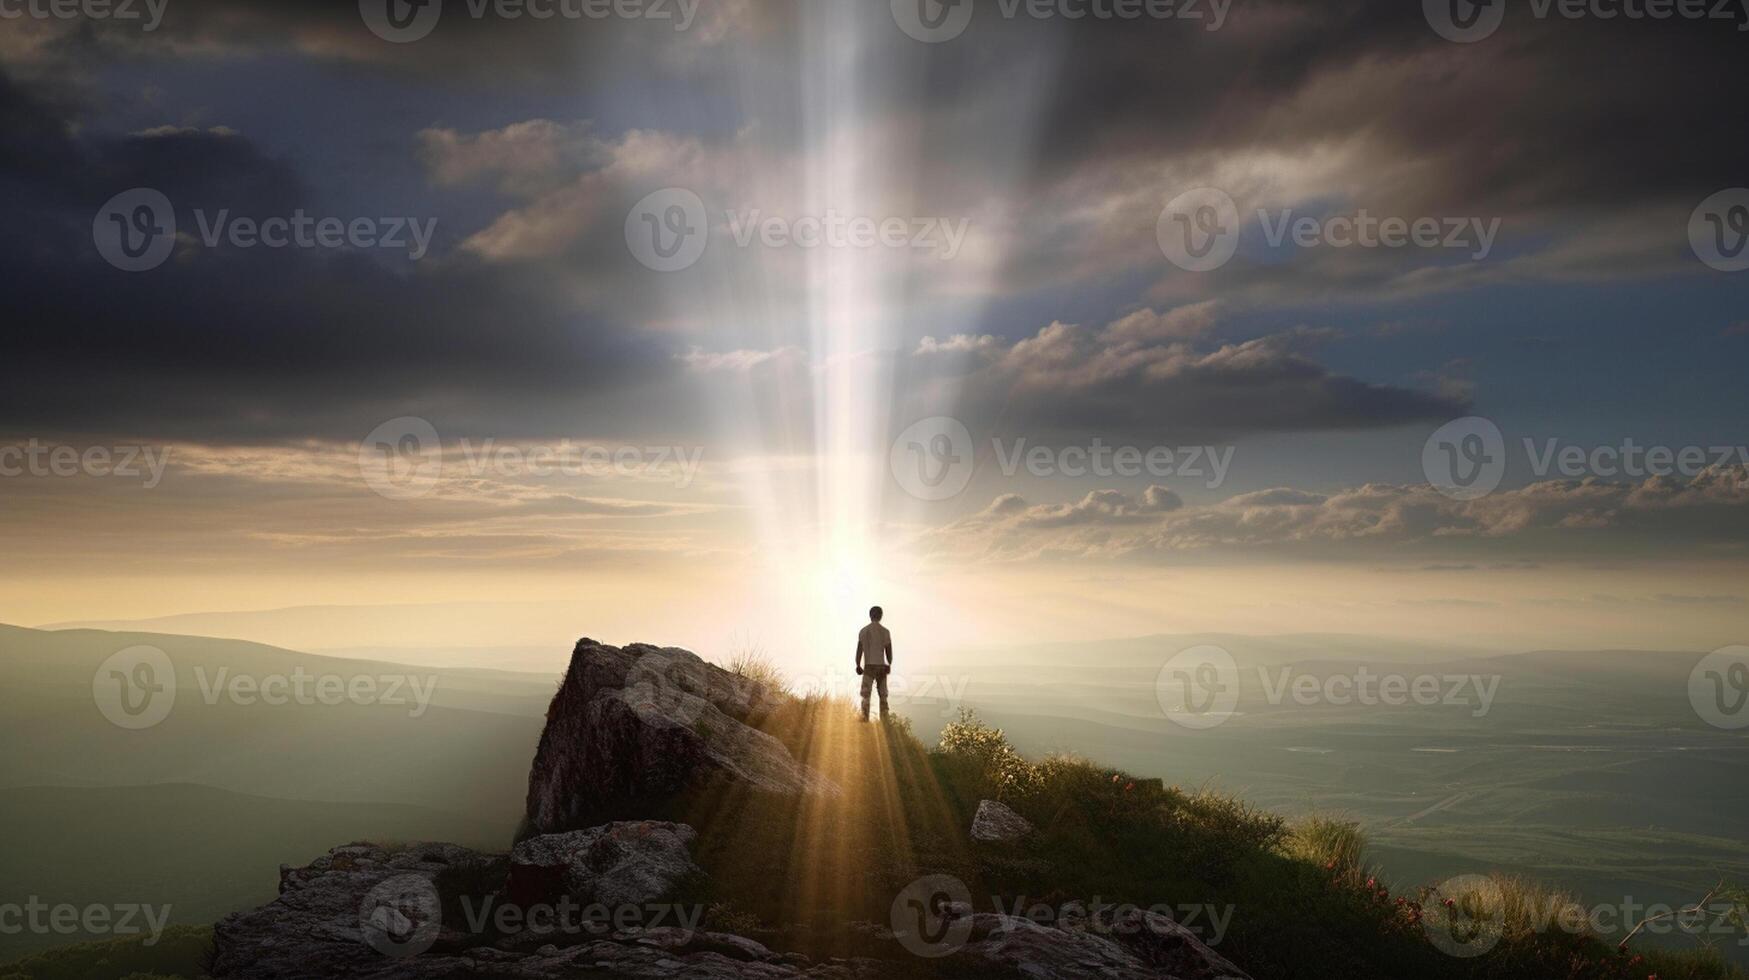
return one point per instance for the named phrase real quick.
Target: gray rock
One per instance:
(1130, 944)
(636, 725)
(1166, 945)
(627, 863)
(996, 822)
(321, 928)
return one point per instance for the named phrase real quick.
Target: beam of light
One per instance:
(829, 523)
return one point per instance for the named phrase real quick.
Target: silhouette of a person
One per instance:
(874, 658)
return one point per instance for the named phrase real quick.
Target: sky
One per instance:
(713, 323)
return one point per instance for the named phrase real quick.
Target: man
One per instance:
(874, 657)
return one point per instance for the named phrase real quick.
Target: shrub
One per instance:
(751, 661)
(999, 771)
(1332, 844)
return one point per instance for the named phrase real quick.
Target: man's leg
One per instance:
(881, 685)
(868, 682)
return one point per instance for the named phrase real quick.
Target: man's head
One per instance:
(874, 614)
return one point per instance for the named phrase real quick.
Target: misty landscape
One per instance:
(1522, 763)
(874, 490)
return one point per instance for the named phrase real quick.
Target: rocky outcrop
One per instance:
(630, 727)
(364, 912)
(627, 728)
(1130, 945)
(995, 822)
(438, 911)
(628, 863)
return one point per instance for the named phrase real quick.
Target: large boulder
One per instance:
(631, 727)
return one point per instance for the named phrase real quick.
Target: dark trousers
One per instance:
(874, 677)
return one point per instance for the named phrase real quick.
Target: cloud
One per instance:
(1150, 372)
(223, 343)
(1658, 515)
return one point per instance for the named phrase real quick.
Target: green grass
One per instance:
(1303, 899)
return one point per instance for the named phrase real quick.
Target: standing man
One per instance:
(874, 657)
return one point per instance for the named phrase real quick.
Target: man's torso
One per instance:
(874, 640)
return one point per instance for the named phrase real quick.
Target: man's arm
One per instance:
(889, 649)
(859, 653)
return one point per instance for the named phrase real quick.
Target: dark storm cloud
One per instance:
(1079, 129)
(263, 343)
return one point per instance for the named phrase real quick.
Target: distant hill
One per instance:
(467, 752)
(202, 851)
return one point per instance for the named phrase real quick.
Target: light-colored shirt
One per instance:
(873, 642)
